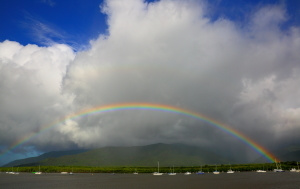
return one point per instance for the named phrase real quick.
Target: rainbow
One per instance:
(152, 107)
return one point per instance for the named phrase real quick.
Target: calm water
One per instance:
(243, 180)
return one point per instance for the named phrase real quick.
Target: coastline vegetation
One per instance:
(128, 169)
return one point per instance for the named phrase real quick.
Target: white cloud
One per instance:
(169, 52)
(162, 52)
(30, 82)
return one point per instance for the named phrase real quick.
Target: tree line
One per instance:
(129, 169)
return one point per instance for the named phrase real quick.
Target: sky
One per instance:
(236, 62)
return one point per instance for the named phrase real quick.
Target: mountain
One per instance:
(34, 160)
(287, 153)
(291, 153)
(166, 154)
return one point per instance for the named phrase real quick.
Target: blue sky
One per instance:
(72, 22)
(235, 61)
(76, 22)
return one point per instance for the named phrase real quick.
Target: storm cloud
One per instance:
(164, 52)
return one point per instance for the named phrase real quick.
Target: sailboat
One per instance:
(278, 167)
(12, 171)
(39, 172)
(16, 173)
(135, 172)
(157, 173)
(71, 173)
(230, 170)
(216, 172)
(298, 170)
(200, 172)
(261, 171)
(293, 170)
(172, 171)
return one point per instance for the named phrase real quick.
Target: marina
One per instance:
(102, 180)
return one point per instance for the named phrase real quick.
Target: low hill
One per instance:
(166, 154)
(34, 160)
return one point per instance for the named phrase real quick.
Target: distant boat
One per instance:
(200, 172)
(135, 172)
(64, 173)
(187, 173)
(157, 173)
(12, 172)
(293, 170)
(298, 170)
(230, 170)
(172, 171)
(216, 172)
(71, 173)
(16, 173)
(261, 171)
(39, 172)
(278, 167)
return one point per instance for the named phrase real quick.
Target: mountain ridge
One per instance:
(148, 155)
(46, 155)
(167, 154)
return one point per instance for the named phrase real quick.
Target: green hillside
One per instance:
(166, 154)
(34, 160)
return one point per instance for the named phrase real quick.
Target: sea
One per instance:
(244, 180)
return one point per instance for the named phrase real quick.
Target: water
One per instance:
(286, 180)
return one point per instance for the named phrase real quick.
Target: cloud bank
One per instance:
(167, 52)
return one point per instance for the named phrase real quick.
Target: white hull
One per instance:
(261, 171)
(187, 173)
(230, 171)
(278, 167)
(39, 172)
(172, 173)
(293, 170)
(157, 173)
(278, 170)
(12, 173)
(216, 172)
